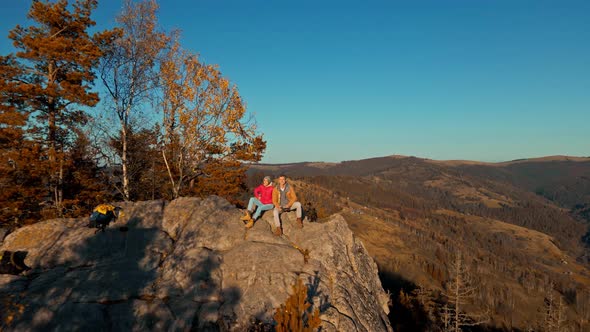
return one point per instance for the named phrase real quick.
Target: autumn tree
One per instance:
(52, 74)
(128, 72)
(21, 178)
(84, 183)
(145, 168)
(206, 137)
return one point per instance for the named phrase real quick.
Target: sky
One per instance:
(346, 80)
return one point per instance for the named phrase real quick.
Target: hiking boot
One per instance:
(299, 223)
(250, 223)
(278, 231)
(247, 216)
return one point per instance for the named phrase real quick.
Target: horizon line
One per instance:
(539, 158)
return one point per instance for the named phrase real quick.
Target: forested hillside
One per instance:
(521, 251)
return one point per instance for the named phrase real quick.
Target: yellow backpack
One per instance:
(104, 208)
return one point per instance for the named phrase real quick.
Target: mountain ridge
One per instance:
(442, 161)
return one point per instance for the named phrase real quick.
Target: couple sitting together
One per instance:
(282, 198)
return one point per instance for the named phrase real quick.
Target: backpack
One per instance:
(13, 262)
(311, 213)
(102, 216)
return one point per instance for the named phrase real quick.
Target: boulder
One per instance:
(3, 233)
(189, 264)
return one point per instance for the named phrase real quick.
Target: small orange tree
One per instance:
(295, 314)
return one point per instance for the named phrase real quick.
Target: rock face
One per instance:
(3, 232)
(187, 265)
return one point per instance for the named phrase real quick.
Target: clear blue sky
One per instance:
(337, 80)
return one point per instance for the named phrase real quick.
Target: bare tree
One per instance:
(554, 311)
(426, 299)
(460, 291)
(128, 70)
(583, 308)
(446, 317)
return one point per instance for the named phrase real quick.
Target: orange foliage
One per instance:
(295, 314)
(205, 137)
(50, 170)
(9, 310)
(224, 178)
(52, 72)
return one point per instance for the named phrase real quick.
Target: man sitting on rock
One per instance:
(262, 199)
(285, 200)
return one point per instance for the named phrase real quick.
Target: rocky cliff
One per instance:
(187, 265)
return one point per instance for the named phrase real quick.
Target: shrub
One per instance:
(296, 313)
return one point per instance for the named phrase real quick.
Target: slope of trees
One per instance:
(433, 222)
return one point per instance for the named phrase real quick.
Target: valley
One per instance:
(513, 225)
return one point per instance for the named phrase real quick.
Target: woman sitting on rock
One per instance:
(263, 201)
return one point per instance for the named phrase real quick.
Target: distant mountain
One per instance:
(356, 167)
(520, 226)
(563, 180)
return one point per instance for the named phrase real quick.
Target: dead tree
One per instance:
(459, 291)
(554, 311)
(583, 309)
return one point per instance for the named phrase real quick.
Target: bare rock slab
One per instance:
(189, 264)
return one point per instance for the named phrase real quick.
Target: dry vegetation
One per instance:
(520, 249)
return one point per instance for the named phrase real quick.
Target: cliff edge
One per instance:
(187, 265)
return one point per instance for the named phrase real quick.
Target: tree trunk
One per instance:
(457, 293)
(60, 190)
(56, 184)
(55, 180)
(124, 162)
(174, 191)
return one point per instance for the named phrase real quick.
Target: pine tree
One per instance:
(21, 175)
(53, 74)
(11, 132)
(84, 182)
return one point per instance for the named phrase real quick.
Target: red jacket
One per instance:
(264, 194)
